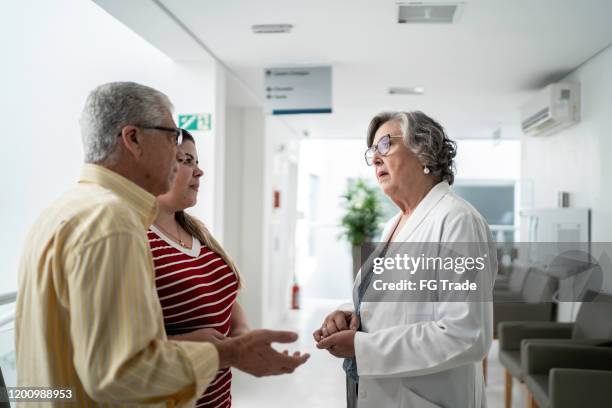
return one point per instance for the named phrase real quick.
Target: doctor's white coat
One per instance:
(428, 354)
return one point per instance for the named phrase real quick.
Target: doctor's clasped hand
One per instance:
(337, 333)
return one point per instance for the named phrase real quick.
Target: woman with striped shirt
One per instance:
(197, 282)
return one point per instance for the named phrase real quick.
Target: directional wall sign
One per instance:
(295, 90)
(195, 121)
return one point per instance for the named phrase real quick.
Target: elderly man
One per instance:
(88, 318)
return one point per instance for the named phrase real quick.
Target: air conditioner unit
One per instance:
(554, 108)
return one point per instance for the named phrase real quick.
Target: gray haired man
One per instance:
(88, 319)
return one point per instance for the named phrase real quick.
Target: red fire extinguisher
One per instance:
(295, 294)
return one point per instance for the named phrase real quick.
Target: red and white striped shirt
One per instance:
(197, 290)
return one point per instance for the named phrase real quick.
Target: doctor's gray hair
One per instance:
(112, 106)
(425, 137)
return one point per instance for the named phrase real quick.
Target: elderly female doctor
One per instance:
(415, 354)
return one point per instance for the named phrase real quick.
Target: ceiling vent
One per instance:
(431, 12)
(271, 28)
(415, 90)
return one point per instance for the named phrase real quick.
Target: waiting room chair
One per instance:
(533, 303)
(593, 327)
(513, 282)
(567, 375)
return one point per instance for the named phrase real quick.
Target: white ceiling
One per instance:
(476, 72)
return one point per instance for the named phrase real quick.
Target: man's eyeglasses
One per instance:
(178, 132)
(382, 147)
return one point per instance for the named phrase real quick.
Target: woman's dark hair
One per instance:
(196, 228)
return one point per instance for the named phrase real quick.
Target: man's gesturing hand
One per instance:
(253, 353)
(335, 322)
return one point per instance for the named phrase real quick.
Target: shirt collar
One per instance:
(435, 194)
(139, 199)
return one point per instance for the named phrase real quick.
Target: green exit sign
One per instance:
(195, 121)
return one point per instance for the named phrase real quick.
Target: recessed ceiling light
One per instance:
(428, 12)
(414, 90)
(271, 28)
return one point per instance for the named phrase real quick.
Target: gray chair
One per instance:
(593, 327)
(568, 375)
(512, 284)
(534, 303)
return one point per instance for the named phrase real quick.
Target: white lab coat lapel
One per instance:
(421, 211)
(419, 214)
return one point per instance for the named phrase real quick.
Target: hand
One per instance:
(335, 322)
(206, 335)
(253, 353)
(341, 344)
(238, 332)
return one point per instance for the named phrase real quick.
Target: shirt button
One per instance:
(365, 314)
(362, 394)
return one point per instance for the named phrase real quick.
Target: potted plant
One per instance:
(362, 218)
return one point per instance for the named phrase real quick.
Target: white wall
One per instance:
(233, 192)
(488, 160)
(57, 52)
(281, 171)
(579, 159)
(217, 193)
(243, 208)
(327, 273)
(257, 236)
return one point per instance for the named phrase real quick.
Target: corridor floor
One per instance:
(320, 382)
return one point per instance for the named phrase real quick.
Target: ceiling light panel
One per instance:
(271, 28)
(413, 90)
(428, 12)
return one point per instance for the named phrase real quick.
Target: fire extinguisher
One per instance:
(295, 294)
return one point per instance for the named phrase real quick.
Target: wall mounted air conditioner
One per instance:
(554, 108)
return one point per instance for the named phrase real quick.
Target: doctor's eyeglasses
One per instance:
(382, 147)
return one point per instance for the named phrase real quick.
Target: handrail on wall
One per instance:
(7, 298)
(7, 318)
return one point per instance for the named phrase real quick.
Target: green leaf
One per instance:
(363, 215)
